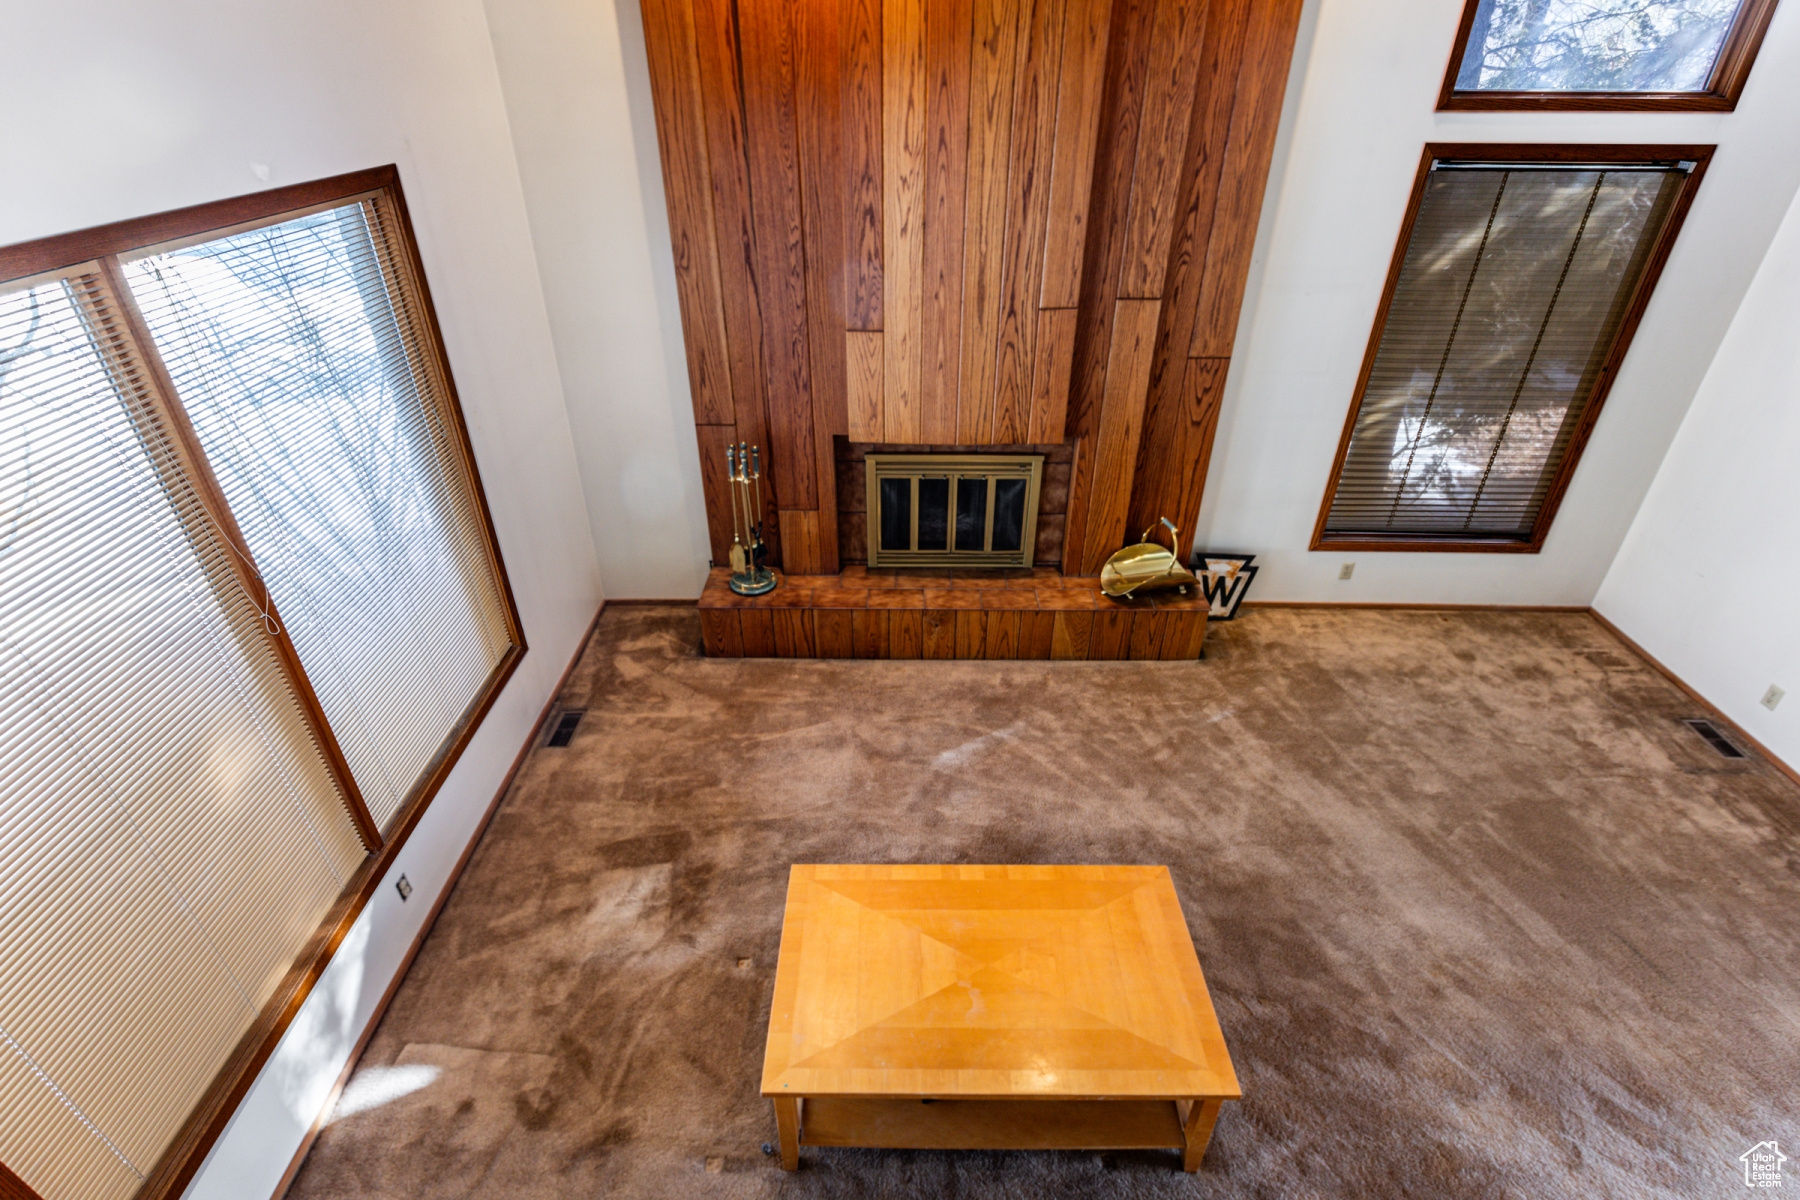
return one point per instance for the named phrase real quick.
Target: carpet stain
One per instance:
(1480, 917)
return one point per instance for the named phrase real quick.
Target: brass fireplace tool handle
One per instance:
(743, 474)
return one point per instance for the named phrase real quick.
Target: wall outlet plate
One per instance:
(1772, 697)
(404, 887)
(1347, 570)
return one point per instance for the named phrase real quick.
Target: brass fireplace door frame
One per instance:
(991, 467)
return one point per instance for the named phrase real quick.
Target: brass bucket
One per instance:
(1145, 566)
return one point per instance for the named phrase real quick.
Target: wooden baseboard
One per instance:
(437, 907)
(1718, 716)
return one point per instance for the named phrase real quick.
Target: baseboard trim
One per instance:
(1718, 716)
(437, 907)
(689, 603)
(1553, 608)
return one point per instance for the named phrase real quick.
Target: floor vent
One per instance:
(565, 728)
(1714, 738)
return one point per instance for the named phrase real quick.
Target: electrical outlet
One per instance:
(1772, 697)
(404, 887)
(1347, 570)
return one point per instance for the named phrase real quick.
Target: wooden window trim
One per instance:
(1736, 57)
(1699, 155)
(104, 243)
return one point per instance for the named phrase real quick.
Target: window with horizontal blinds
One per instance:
(170, 832)
(299, 353)
(1511, 296)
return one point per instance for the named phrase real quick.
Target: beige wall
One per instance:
(1709, 577)
(578, 93)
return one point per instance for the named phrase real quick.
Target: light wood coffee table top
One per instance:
(991, 982)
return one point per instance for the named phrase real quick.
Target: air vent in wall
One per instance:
(565, 728)
(1714, 738)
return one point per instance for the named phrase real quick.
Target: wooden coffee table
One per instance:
(983, 1008)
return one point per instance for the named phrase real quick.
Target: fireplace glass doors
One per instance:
(944, 510)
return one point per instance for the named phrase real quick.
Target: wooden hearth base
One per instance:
(941, 614)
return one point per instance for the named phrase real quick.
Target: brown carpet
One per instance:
(1480, 916)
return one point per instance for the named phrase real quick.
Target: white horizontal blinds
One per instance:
(311, 395)
(1511, 295)
(170, 835)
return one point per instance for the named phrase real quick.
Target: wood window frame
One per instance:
(1494, 152)
(1736, 56)
(103, 244)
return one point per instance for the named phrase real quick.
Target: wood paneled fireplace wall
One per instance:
(964, 222)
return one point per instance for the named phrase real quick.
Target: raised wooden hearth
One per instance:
(861, 613)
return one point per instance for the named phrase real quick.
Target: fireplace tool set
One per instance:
(743, 474)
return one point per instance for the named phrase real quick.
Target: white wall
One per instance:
(1708, 580)
(118, 110)
(577, 88)
(1359, 112)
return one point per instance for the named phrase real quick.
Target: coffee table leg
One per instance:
(787, 1129)
(1203, 1114)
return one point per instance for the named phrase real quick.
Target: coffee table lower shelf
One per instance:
(893, 1124)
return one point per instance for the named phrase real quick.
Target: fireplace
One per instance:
(1040, 522)
(951, 510)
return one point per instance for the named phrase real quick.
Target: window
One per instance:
(250, 609)
(1520, 275)
(1597, 54)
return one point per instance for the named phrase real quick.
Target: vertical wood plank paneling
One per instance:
(758, 628)
(769, 59)
(1002, 635)
(1122, 422)
(1111, 636)
(794, 633)
(1262, 82)
(819, 94)
(939, 629)
(971, 634)
(1148, 629)
(1215, 94)
(1174, 68)
(906, 633)
(715, 30)
(713, 441)
(1027, 210)
(993, 203)
(947, 35)
(1128, 52)
(862, 385)
(1171, 474)
(800, 551)
(1050, 375)
(721, 632)
(833, 629)
(1182, 640)
(1080, 88)
(869, 633)
(903, 96)
(860, 41)
(992, 65)
(680, 123)
(1193, 645)
(1070, 635)
(1037, 632)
